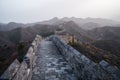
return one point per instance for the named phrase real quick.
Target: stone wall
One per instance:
(84, 68)
(23, 71)
(11, 71)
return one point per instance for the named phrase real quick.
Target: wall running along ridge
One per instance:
(23, 71)
(84, 68)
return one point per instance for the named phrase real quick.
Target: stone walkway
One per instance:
(50, 65)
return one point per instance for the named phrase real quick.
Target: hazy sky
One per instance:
(37, 10)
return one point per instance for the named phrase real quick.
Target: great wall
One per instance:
(52, 59)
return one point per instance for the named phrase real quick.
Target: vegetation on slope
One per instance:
(108, 45)
(96, 54)
(10, 53)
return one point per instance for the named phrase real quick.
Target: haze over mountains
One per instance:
(85, 23)
(101, 33)
(86, 30)
(89, 28)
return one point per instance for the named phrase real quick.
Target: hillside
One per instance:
(108, 45)
(24, 34)
(73, 29)
(91, 23)
(98, 43)
(85, 23)
(15, 43)
(96, 54)
(11, 26)
(105, 33)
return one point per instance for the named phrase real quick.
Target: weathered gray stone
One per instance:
(11, 71)
(47, 63)
(52, 63)
(83, 66)
(23, 71)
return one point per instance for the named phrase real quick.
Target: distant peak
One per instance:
(14, 23)
(65, 18)
(55, 18)
(89, 18)
(11, 23)
(71, 23)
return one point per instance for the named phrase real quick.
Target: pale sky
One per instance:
(27, 11)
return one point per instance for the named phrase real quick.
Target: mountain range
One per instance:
(85, 23)
(13, 33)
(101, 33)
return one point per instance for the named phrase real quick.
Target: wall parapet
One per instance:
(23, 71)
(85, 68)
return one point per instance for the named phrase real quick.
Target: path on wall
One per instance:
(50, 65)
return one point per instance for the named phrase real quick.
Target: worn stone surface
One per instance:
(84, 68)
(12, 69)
(55, 60)
(50, 64)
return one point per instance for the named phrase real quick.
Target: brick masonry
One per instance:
(23, 71)
(83, 66)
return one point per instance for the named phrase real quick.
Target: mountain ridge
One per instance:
(85, 23)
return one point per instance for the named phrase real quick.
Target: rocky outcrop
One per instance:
(84, 68)
(23, 71)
